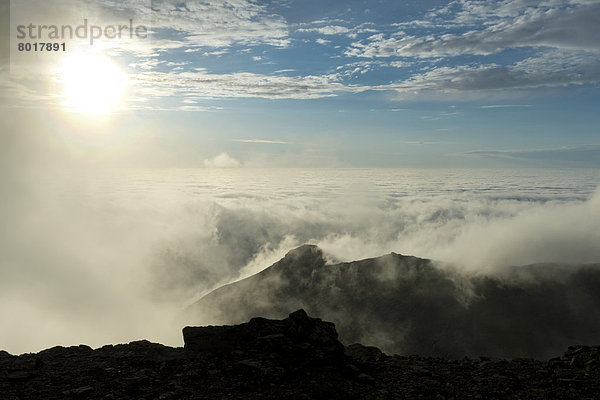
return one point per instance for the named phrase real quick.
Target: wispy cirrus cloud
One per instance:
(506, 106)
(202, 84)
(561, 44)
(553, 44)
(587, 156)
(260, 141)
(216, 23)
(563, 27)
(549, 69)
(327, 30)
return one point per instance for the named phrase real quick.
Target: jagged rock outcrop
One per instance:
(408, 305)
(298, 357)
(297, 335)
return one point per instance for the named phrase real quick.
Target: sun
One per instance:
(92, 84)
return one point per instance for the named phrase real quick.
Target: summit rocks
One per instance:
(298, 335)
(298, 357)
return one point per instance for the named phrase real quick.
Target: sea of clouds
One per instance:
(105, 256)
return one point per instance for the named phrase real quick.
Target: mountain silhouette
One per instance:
(409, 305)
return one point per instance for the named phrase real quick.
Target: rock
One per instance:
(303, 328)
(252, 364)
(351, 370)
(19, 375)
(4, 354)
(362, 353)
(365, 378)
(590, 364)
(297, 332)
(82, 390)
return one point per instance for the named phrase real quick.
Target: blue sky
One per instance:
(328, 83)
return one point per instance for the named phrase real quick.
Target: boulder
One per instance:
(296, 333)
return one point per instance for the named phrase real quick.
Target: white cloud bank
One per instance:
(112, 256)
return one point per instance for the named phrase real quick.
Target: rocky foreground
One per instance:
(298, 357)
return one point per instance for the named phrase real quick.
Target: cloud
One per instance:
(575, 156)
(556, 56)
(327, 30)
(549, 69)
(506, 106)
(559, 27)
(243, 84)
(420, 143)
(426, 60)
(363, 67)
(105, 256)
(220, 24)
(561, 39)
(223, 160)
(259, 141)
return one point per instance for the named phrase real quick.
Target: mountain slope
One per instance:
(408, 305)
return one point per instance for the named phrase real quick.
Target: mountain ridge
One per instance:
(409, 305)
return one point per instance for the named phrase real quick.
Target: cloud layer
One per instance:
(111, 256)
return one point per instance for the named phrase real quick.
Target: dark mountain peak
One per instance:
(405, 258)
(301, 260)
(306, 253)
(402, 256)
(405, 304)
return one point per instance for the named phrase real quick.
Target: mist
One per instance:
(100, 256)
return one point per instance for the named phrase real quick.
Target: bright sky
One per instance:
(312, 83)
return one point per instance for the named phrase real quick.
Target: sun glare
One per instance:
(92, 84)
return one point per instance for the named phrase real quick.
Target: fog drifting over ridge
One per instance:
(110, 256)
